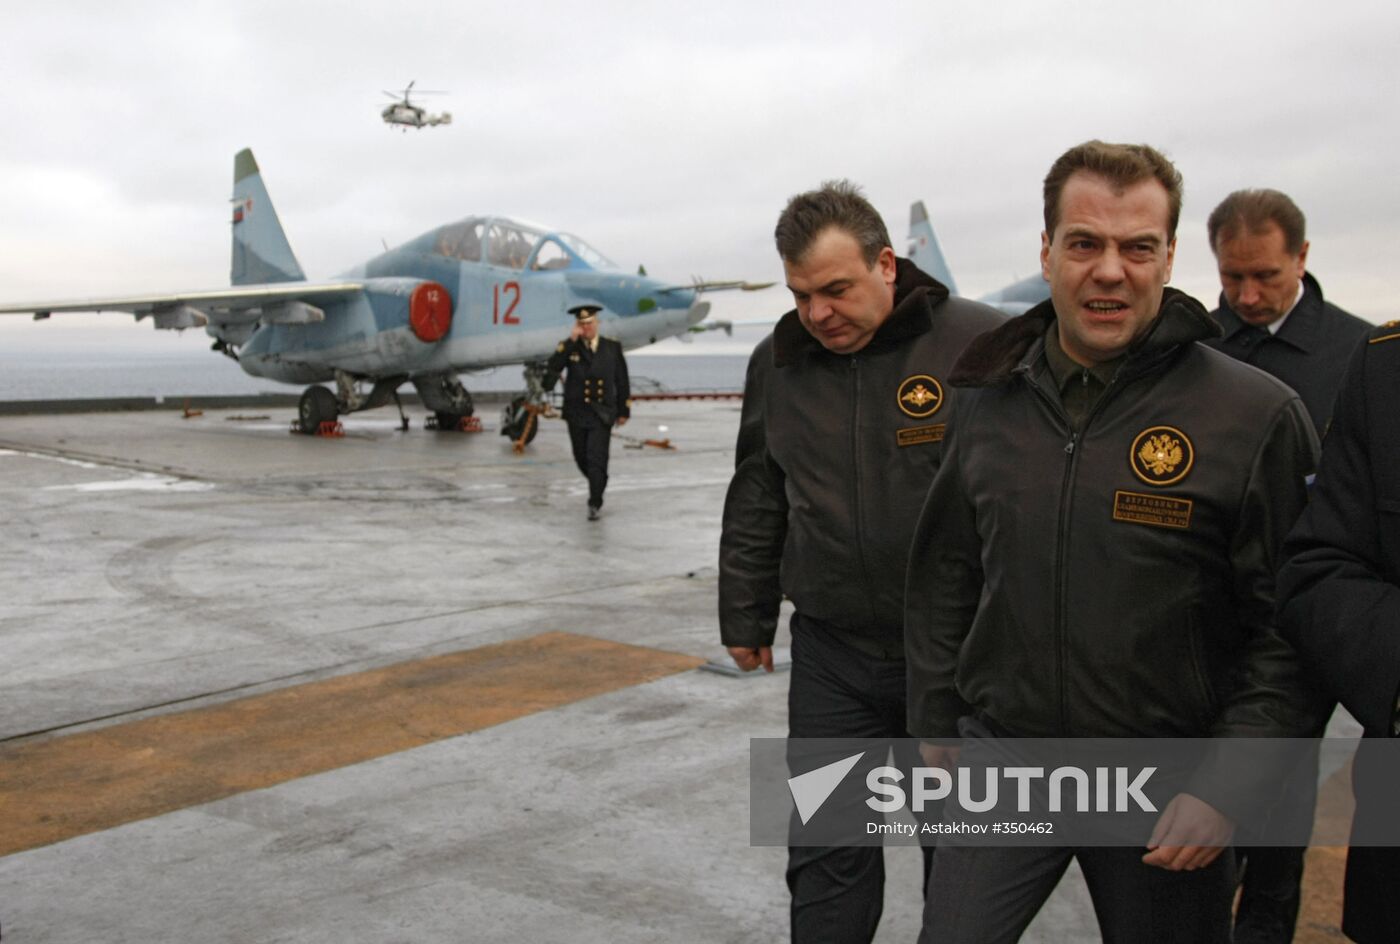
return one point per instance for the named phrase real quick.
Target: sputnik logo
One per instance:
(810, 790)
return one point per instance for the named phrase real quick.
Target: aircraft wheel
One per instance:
(514, 420)
(317, 406)
(448, 421)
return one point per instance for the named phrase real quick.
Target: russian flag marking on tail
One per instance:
(261, 252)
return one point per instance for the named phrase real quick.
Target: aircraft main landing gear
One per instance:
(456, 423)
(318, 405)
(450, 402)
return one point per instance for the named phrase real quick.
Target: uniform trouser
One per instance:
(837, 691)
(591, 443)
(1270, 895)
(1371, 904)
(1271, 886)
(1371, 911)
(981, 894)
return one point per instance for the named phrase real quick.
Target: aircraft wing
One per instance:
(700, 285)
(231, 300)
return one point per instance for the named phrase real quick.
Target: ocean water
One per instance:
(77, 373)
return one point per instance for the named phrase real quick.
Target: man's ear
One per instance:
(887, 265)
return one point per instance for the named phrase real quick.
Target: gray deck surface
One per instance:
(154, 564)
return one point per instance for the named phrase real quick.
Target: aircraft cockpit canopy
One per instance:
(512, 245)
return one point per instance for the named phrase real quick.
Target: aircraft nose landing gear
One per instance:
(520, 420)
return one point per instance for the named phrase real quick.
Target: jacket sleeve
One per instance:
(942, 588)
(1335, 603)
(556, 363)
(1268, 699)
(624, 386)
(754, 526)
(1272, 696)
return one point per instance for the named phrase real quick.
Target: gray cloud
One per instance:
(672, 134)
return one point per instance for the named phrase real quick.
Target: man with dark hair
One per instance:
(1271, 309)
(1273, 316)
(843, 416)
(1115, 580)
(597, 396)
(1339, 595)
(1121, 165)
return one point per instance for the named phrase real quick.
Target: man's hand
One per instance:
(940, 755)
(1189, 835)
(622, 421)
(749, 658)
(576, 332)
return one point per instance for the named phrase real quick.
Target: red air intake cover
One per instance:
(430, 312)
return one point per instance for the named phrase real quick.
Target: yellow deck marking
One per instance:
(1320, 916)
(82, 783)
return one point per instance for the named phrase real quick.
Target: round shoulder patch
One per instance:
(1162, 455)
(920, 396)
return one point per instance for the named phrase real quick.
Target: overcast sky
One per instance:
(672, 134)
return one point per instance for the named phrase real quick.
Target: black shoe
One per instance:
(592, 512)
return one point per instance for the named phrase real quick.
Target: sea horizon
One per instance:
(100, 374)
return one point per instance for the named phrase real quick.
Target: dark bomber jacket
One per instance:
(1118, 582)
(834, 457)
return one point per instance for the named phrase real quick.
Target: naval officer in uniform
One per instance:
(1339, 603)
(596, 396)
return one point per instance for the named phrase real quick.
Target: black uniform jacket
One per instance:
(1310, 353)
(1340, 604)
(834, 456)
(1118, 581)
(596, 390)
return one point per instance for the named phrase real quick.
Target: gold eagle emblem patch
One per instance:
(1162, 455)
(919, 396)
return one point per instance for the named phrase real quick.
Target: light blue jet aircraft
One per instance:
(482, 292)
(1014, 299)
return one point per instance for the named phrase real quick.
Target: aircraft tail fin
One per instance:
(261, 252)
(924, 250)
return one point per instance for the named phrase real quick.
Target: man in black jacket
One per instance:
(1273, 316)
(844, 412)
(1339, 594)
(1096, 557)
(596, 396)
(1272, 312)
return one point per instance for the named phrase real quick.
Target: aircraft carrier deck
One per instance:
(387, 687)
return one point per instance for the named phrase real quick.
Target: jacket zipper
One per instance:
(856, 511)
(1061, 625)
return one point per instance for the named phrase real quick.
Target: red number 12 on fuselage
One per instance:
(513, 289)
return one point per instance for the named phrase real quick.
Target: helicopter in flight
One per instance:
(408, 115)
(480, 292)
